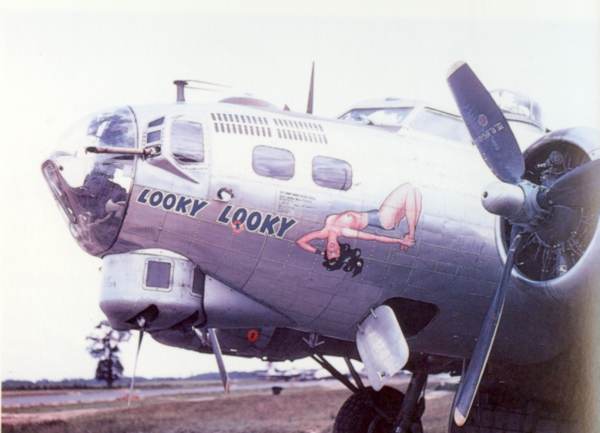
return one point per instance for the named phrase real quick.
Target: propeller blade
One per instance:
(577, 188)
(142, 324)
(472, 377)
(311, 91)
(216, 348)
(487, 125)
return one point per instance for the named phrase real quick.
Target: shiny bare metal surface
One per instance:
(285, 231)
(454, 262)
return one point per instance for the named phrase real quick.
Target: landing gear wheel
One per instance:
(358, 413)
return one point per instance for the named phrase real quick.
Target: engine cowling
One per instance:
(566, 256)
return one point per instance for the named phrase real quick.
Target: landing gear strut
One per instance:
(384, 411)
(406, 421)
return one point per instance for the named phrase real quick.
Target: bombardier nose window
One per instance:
(187, 141)
(91, 188)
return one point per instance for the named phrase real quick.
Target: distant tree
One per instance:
(104, 345)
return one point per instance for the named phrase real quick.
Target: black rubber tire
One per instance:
(357, 414)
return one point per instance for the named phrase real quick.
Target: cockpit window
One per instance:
(187, 141)
(378, 116)
(518, 105)
(358, 115)
(442, 125)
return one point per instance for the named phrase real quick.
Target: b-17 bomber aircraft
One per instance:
(236, 227)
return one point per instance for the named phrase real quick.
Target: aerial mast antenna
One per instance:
(207, 86)
(311, 91)
(180, 84)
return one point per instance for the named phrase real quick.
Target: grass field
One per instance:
(307, 410)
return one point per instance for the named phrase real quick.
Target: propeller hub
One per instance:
(503, 199)
(516, 202)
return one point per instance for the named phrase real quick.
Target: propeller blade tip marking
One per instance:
(459, 418)
(456, 66)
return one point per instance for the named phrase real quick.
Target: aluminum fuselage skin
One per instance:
(455, 263)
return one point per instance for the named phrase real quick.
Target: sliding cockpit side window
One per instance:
(358, 114)
(393, 116)
(187, 141)
(331, 173)
(273, 162)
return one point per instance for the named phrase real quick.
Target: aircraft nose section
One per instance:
(94, 210)
(93, 189)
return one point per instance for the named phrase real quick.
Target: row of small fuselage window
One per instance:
(274, 162)
(279, 163)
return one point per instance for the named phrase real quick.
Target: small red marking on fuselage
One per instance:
(237, 227)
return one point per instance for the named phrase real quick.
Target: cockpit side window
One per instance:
(187, 141)
(358, 114)
(393, 116)
(331, 173)
(273, 162)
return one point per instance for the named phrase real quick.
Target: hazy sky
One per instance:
(59, 63)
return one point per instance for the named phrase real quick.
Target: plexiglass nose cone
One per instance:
(93, 189)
